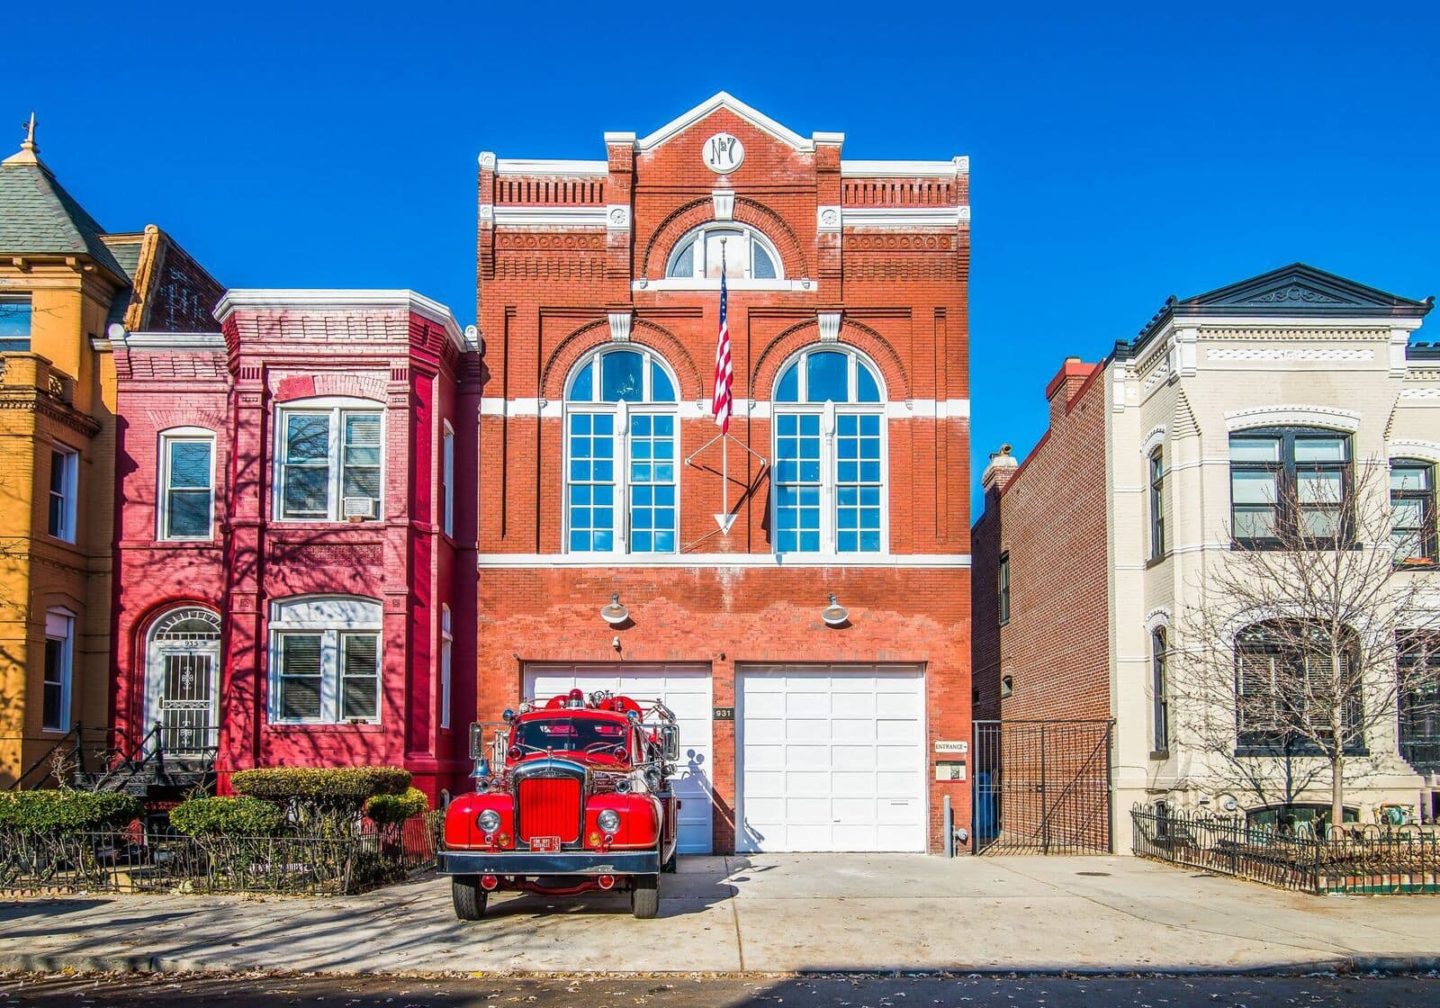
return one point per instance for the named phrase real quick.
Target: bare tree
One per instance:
(1286, 671)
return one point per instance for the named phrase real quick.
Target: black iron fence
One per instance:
(135, 860)
(1355, 859)
(1042, 787)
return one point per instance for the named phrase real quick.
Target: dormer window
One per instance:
(747, 255)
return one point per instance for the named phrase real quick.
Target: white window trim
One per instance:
(335, 406)
(622, 411)
(162, 503)
(828, 462)
(446, 670)
(331, 616)
(447, 477)
(60, 626)
(697, 272)
(70, 492)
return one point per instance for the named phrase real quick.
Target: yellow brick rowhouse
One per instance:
(63, 282)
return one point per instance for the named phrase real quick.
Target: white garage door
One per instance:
(832, 758)
(685, 689)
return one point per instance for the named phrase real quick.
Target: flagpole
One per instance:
(724, 448)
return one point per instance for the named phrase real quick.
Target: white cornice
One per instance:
(166, 340)
(537, 166)
(341, 300)
(1292, 416)
(1427, 450)
(905, 169)
(903, 217)
(724, 100)
(562, 216)
(958, 561)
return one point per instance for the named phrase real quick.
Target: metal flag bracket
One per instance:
(725, 518)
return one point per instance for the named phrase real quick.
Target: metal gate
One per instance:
(1042, 787)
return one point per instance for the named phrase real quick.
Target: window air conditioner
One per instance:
(358, 508)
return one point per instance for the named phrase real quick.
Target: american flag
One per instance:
(724, 369)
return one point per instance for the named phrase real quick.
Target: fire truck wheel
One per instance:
(468, 897)
(645, 896)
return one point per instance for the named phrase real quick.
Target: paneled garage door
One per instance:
(832, 758)
(685, 689)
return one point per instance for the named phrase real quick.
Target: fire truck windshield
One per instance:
(588, 735)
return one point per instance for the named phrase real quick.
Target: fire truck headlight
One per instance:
(488, 821)
(608, 821)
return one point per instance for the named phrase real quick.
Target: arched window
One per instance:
(1288, 685)
(182, 679)
(621, 443)
(829, 416)
(746, 253)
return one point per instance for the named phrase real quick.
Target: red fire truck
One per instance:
(571, 795)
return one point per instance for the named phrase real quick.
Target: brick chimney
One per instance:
(1067, 381)
(999, 471)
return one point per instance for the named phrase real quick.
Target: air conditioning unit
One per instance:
(358, 508)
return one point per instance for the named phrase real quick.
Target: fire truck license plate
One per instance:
(545, 844)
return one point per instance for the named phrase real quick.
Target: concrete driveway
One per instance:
(763, 913)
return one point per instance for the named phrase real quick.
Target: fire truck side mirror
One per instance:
(670, 736)
(477, 741)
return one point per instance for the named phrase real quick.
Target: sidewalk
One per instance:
(764, 914)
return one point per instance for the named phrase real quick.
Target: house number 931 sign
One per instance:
(723, 153)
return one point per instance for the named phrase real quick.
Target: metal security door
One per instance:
(1042, 787)
(184, 666)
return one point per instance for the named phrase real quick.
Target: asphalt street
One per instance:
(694, 991)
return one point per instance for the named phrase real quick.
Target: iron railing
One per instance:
(1352, 859)
(136, 860)
(1042, 787)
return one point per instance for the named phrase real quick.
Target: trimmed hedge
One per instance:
(240, 816)
(391, 810)
(324, 786)
(59, 810)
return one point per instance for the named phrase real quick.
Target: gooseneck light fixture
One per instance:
(835, 614)
(615, 613)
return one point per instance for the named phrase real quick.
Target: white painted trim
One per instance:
(1152, 440)
(1427, 450)
(561, 216)
(895, 409)
(1292, 416)
(905, 169)
(904, 217)
(1156, 618)
(166, 340)
(181, 435)
(309, 299)
(602, 561)
(803, 285)
(558, 166)
(721, 99)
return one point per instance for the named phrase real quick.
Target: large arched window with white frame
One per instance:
(745, 252)
(621, 446)
(830, 454)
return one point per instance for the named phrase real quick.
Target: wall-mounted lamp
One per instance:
(835, 614)
(614, 613)
(1007, 686)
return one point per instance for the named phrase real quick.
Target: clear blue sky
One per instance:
(1117, 155)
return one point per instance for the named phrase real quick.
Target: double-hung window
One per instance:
(187, 484)
(446, 641)
(1417, 655)
(329, 463)
(447, 480)
(1287, 686)
(59, 669)
(1160, 699)
(1412, 511)
(325, 654)
(1002, 587)
(829, 418)
(1157, 504)
(15, 315)
(1289, 487)
(621, 445)
(64, 480)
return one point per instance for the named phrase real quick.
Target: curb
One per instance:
(139, 964)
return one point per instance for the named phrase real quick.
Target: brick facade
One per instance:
(572, 258)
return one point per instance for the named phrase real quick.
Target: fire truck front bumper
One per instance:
(453, 862)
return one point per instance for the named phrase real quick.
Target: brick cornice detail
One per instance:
(643, 332)
(700, 211)
(853, 333)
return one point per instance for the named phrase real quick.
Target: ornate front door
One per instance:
(183, 688)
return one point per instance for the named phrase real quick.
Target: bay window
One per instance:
(329, 463)
(1290, 488)
(325, 655)
(1412, 511)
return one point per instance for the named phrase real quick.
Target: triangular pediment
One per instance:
(727, 101)
(1296, 289)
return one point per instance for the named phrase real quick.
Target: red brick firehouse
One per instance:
(797, 592)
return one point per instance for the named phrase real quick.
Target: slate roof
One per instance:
(1294, 290)
(38, 217)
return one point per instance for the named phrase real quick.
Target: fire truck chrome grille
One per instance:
(550, 807)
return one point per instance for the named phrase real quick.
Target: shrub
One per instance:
(240, 816)
(390, 810)
(61, 810)
(331, 786)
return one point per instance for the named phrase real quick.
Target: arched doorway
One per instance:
(183, 681)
